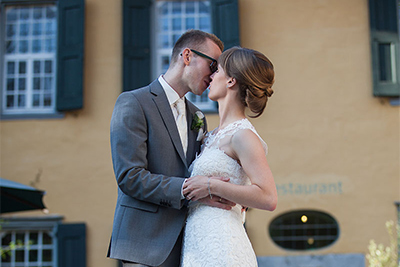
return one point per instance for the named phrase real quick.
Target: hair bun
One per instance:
(269, 92)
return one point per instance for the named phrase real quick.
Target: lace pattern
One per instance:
(213, 236)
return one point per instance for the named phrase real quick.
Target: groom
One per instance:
(152, 145)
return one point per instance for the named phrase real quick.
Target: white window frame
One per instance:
(25, 226)
(29, 58)
(161, 53)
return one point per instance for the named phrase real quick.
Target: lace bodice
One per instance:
(217, 162)
(213, 236)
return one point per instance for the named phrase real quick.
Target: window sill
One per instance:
(31, 116)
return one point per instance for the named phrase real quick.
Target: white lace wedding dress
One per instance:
(215, 237)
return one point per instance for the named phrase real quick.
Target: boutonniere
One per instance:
(198, 125)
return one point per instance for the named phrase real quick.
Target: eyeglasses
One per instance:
(214, 63)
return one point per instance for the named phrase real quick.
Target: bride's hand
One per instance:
(197, 189)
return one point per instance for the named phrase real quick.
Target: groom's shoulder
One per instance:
(142, 92)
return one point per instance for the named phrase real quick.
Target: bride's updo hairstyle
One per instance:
(253, 72)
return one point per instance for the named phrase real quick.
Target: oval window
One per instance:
(304, 230)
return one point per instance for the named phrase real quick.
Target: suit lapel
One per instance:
(193, 144)
(162, 104)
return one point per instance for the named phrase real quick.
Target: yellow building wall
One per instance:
(322, 126)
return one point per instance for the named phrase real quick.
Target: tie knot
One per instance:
(180, 106)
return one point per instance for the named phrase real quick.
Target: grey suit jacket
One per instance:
(149, 165)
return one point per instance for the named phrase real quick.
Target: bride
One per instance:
(213, 236)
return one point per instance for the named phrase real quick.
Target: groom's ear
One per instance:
(186, 56)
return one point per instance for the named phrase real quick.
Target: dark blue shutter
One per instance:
(71, 240)
(70, 54)
(385, 47)
(225, 21)
(136, 44)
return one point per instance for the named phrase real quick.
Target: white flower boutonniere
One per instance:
(198, 125)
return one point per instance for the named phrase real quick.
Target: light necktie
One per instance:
(181, 122)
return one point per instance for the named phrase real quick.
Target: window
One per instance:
(146, 56)
(384, 24)
(37, 248)
(172, 19)
(41, 69)
(42, 241)
(304, 230)
(30, 59)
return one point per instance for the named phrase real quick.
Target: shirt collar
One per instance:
(172, 95)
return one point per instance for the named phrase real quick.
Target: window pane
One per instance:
(21, 100)
(164, 9)
(36, 66)
(19, 256)
(37, 29)
(11, 31)
(47, 83)
(5, 241)
(10, 84)
(36, 46)
(175, 37)
(24, 29)
(385, 62)
(49, 45)
(33, 238)
(6, 258)
(190, 23)
(203, 8)
(36, 100)
(11, 15)
(190, 7)
(164, 41)
(37, 13)
(10, 67)
(11, 47)
(48, 66)
(22, 67)
(47, 255)
(36, 83)
(24, 14)
(50, 12)
(176, 24)
(23, 46)
(204, 23)
(10, 101)
(164, 24)
(21, 84)
(50, 28)
(176, 8)
(20, 237)
(33, 255)
(47, 239)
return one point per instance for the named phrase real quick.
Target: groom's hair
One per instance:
(194, 39)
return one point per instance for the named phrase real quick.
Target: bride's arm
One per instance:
(260, 194)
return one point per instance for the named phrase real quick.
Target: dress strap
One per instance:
(213, 138)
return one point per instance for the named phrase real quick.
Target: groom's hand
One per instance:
(218, 202)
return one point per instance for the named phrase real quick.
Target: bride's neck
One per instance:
(230, 111)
